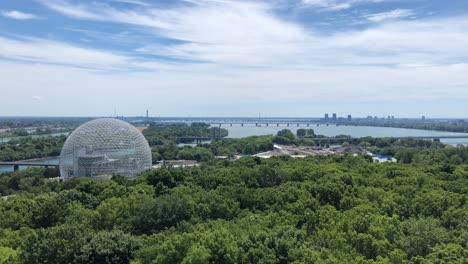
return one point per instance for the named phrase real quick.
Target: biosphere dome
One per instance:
(105, 146)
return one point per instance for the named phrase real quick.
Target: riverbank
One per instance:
(237, 131)
(57, 134)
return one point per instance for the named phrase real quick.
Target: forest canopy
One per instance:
(337, 209)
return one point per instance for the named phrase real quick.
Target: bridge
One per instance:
(270, 123)
(251, 121)
(197, 140)
(30, 163)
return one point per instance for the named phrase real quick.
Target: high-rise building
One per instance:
(423, 118)
(326, 117)
(349, 117)
(334, 116)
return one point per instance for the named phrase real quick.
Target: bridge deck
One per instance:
(49, 162)
(13, 163)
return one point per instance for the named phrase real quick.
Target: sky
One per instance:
(288, 58)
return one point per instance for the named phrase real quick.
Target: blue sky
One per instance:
(234, 58)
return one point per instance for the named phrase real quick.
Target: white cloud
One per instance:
(132, 2)
(61, 53)
(408, 42)
(18, 15)
(46, 51)
(394, 14)
(336, 5)
(251, 56)
(249, 34)
(246, 34)
(214, 31)
(102, 12)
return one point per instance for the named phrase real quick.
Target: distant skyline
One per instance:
(289, 58)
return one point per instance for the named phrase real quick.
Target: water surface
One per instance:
(237, 131)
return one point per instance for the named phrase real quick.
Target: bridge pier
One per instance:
(15, 167)
(277, 125)
(242, 124)
(288, 125)
(266, 124)
(231, 124)
(307, 125)
(297, 124)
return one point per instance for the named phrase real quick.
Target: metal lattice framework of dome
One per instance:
(102, 147)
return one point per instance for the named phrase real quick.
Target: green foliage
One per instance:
(59, 244)
(33, 180)
(112, 247)
(181, 133)
(20, 132)
(29, 148)
(249, 145)
(286, 133)
(300, 133)
(337, 209)
(8, 255)
(75, 244)
(164, 140)
(438, 125)
(195, 153)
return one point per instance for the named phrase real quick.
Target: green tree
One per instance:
(113, 247)
(301, 133)
(286, 133)
(59, 244)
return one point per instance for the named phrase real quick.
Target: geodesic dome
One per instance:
(105, 146)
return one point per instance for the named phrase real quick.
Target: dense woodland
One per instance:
(338, 209)
(30, 148)
(164, 140)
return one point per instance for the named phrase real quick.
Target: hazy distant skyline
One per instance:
(234, 58)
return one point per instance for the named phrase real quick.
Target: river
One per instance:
(237, 131)
(37, 136)
(51, 160)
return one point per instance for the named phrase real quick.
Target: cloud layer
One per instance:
(335, 5)
(18, 15)
(249, 34)
(394, 14)
(216, 52)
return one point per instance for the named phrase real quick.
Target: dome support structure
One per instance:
(105, 146)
